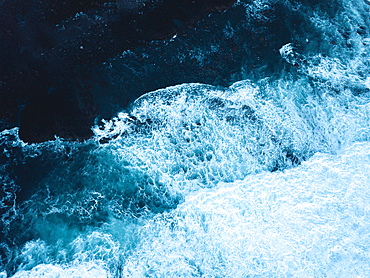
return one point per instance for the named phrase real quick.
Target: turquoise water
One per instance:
(267, 177)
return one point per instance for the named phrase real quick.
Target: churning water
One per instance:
(269, 177)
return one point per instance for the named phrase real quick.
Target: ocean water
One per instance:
(267, 176)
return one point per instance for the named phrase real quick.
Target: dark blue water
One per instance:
(262, 172)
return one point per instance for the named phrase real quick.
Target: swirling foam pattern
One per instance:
(268, 177)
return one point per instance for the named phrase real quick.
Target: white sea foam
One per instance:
(213, 146)
(85, 270)
(273, 176)
(309, 221)
(197, 135)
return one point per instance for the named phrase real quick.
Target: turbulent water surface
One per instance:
(264, 173)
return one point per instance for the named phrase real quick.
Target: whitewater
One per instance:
(267, 177)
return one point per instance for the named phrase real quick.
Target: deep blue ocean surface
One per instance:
(262, 172)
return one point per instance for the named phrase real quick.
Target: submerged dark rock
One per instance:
(50, 52)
